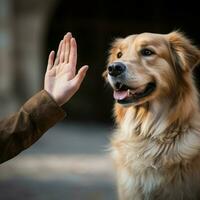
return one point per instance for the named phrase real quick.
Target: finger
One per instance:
(62, 52)
(78, 79)
(68, 37)
(58, 53)
(50, 60)
(73, 55)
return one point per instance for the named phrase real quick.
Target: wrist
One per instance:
(54, 98)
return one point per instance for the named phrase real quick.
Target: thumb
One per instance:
(78, 79)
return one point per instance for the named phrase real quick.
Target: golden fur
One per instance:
(156, 145)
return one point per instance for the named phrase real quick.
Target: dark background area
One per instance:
(96, 23)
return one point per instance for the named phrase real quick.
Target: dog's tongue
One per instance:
(119, 95)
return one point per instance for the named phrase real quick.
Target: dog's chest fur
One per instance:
(154, 169)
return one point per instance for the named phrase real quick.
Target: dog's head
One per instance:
(147, 66)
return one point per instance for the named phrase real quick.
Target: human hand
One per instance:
(61, 80)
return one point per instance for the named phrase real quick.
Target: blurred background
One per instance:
(71, 160)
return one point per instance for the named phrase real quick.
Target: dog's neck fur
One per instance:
(170, 114)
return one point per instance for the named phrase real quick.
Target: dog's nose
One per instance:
(116, 69)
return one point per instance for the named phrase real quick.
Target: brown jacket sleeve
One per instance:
(25, 127)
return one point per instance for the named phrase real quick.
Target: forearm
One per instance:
(22, 129)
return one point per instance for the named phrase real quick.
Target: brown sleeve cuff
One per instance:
(43, 110)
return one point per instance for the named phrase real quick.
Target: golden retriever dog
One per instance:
(156, 144)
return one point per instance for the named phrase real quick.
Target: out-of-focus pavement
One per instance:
(71, 161)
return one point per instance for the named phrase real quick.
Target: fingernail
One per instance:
(72, 39)
(68, 34)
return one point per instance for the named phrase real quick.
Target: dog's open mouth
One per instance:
(125, 94)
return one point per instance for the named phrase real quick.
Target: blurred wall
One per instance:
(7, 97)
(22, 27)
(29, 29)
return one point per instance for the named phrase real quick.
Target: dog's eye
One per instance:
(147, 52)
(119, 54)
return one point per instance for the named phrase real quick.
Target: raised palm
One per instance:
(61, 81)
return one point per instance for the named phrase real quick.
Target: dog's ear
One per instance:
(112, 55)
(105, 74)
(184, 53)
